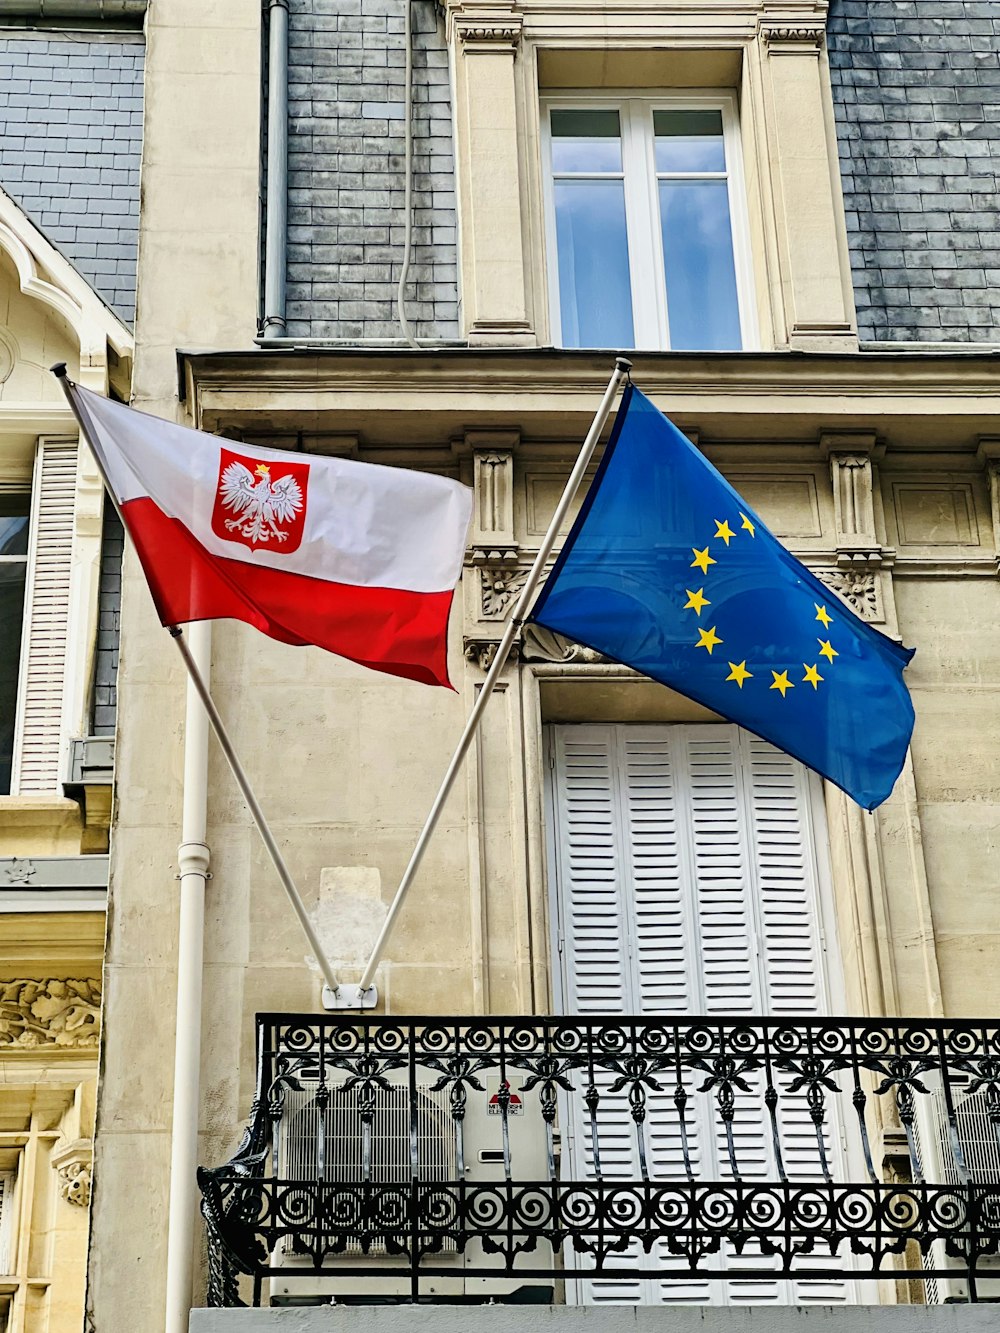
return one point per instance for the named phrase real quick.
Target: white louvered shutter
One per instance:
(38, 739)
(707, 834)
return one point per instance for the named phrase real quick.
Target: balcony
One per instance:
(542, 1159)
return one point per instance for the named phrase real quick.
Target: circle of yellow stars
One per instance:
(709, 638)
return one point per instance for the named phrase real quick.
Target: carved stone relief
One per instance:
(19, 871)
(499, 589)
(73, 1164)
(50, 1013)
(860, 589)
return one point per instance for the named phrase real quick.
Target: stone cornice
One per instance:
(924, 401)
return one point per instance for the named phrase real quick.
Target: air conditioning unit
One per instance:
(937, 1161)
(344, 1149)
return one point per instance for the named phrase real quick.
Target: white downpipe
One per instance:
(192, 861)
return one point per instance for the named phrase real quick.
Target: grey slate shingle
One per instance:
(345, 173)
(70, 137)
(919, 152)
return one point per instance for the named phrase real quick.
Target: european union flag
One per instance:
(667, 570)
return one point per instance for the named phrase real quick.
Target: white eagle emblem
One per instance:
(259, 505)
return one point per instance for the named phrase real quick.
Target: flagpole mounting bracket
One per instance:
(349, 996)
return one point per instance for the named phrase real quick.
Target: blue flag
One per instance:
(668, 571)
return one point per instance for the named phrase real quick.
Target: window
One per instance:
(15, 507)
(646, 224)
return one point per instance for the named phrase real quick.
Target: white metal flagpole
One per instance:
(218, 726)
(521, 608)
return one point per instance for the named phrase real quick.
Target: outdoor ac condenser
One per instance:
(977, 1141)
(343, 1152)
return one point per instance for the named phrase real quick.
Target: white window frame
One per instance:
(651, 329)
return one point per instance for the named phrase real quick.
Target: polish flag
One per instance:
(356, 558)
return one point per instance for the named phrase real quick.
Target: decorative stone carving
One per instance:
(19, 871)
(793, 38)
(492, 27)
(853, 480)
(73, 1164)
(493, 539)
(859, 589)
(50, 1013)
(483, 651)
(544, 645)
(499, 588)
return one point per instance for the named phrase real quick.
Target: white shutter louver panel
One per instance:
(38, 744)
(707, 834)
(6, 1222)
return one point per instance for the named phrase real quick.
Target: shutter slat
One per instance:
(39, 747)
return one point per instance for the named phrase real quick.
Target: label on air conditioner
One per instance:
(514, 1107)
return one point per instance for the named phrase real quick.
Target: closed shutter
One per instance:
(39, 739)
(701, 838)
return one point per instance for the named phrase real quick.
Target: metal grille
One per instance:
(340, 1126)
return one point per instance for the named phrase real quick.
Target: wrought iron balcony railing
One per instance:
(504, 1155)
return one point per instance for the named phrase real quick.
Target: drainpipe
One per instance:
(276, 211)
(192, 864)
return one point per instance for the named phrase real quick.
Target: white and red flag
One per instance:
(356, 558)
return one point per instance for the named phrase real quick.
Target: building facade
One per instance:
(70, 127)
(785, 213)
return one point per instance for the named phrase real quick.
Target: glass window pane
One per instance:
(12, 580)
(700, 271)
(14, 510)
(595, 297)
(586, 141)
(689, 141)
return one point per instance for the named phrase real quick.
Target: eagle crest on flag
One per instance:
(261, 504)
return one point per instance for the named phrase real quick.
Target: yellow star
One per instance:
(724, 531)
(707, 638)
(695, 601)
(826, 649)
(824, 615)
(781, 682)
(747, 525)
(738, 672)
(702, 559)
(812, 676)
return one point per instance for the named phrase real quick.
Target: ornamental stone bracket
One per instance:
(536, 645)
(989, 456)
(488, 28)
(860, 589)
(73, 1164)
(499, 588)
(792, 39)
(52, 1013)
(852, 477)
(492, 538)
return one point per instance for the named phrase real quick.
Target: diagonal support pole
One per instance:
(517, 617)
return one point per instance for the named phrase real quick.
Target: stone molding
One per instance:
(989, 456)
(73, 1163)
(793, 39)
(491, 28)
(55, 1012)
